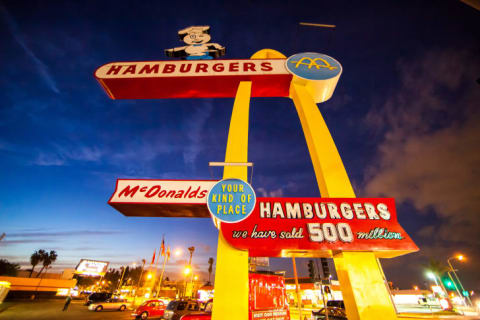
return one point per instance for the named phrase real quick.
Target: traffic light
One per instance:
(326, 271)
(448, 283)
(311, 269)
(465, 293)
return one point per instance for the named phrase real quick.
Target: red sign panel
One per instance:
(193, 78)
(280, 227)
(162, 198)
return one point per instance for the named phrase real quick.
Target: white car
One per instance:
(110, 304)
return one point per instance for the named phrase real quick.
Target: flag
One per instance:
(153, 258)
(163, 246)
(168, 252)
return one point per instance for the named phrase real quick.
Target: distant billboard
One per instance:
(89, 267)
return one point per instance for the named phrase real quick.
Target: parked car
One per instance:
(97, 297)
(204, 314)
(177, 308)
(336, 304)
(150, 309)
(110, 304)
(333, 314)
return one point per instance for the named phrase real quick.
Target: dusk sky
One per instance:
(405, 117)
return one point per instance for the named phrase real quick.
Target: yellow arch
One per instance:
(362, 281)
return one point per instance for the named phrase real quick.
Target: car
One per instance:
(333, 314)
(205, 314)
(336, 304)
(110, 304)
(150, 309)
(97, 297)
(177, 308)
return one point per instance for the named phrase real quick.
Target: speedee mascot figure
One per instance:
(198, 47)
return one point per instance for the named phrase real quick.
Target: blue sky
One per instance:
(405, 118)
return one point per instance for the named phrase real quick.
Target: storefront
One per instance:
(312, 294)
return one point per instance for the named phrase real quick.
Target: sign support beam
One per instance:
(231, 272)
(362, 281)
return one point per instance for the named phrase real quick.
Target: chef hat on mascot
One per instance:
(195, 29)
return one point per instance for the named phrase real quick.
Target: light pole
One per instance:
(434, 276)
(192, 250)
(121, 279)
(186, 271)
(459, 258)
(138, 283)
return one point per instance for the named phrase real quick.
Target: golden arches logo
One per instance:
(313, 63)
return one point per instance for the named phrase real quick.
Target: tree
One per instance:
(84, 282)
(47, 260)
(7, 268)
(210, 268)
(112, 277)
(436, 267)
(35, 259)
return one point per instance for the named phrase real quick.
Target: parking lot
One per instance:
(52, 309)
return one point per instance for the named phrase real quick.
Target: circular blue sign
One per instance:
(313, 66)
(231, 200)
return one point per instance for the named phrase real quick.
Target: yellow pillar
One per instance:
(231, 272)
(362, 282)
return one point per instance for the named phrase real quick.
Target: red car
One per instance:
(150, 309)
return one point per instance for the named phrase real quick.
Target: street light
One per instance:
(459, 257)
(138, 283)
(187, 270)
(177, 252)
(432, 276)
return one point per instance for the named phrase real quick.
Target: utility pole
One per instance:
(297, 288)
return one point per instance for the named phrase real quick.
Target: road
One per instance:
(307, 312)
(52, 310)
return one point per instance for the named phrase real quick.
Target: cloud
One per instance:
(194, 126)
(62, 154)
(22, 241)
(37, 234)
(42, 69)
(429, 152)
(273, 193)
(205, 247)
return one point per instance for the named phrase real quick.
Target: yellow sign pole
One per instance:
(231, 272)
(297, 288)
(362, 282)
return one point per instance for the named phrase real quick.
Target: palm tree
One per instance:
(48, 259)
(436, 267)
(210, 268)
(35, 259)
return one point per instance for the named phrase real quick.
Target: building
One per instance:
(311, 292)
(26, 288)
